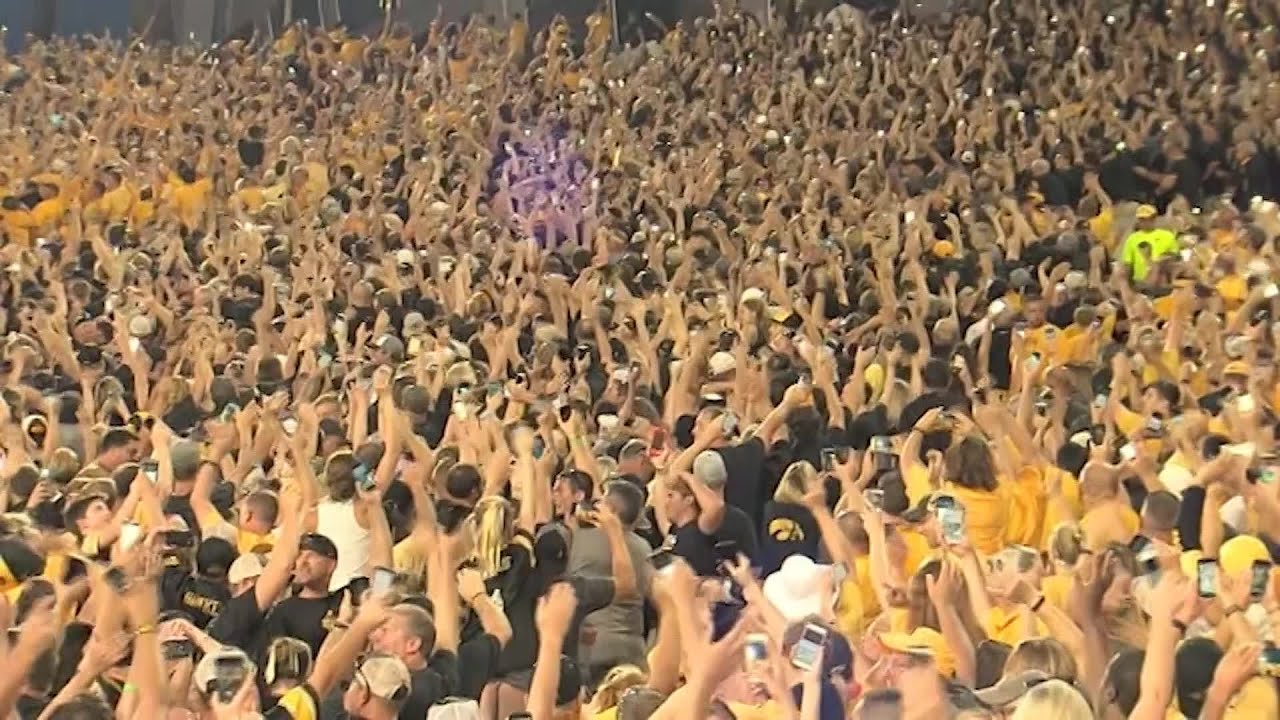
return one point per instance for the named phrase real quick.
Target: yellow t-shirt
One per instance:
(516, 40)
(1010, 514)
(1164, 306)
(771, 710)
(918, 551)
(1101, 226)
(300, 703)
(1008, 625)
(352, 51)
(1112, 522)
(916, 479)
(248, 541)
(850, 615)
(1039, 340)
(1077, 345)
(1128, 422)
(19, 224)
(1234, 290)
(409, 559)
(1170, 362)
(191, 200)
(1054, 514)
(117, 203)
(459, 70)
(288, 42)
(47, 213)
(1056, 590)
(144, 211)
(866, 588)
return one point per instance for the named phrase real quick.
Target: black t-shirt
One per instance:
(699, 549)
(438, 680)
(70, 651)
(479, 655)
(738, 527)
(308, 619)
(180, 505)
(239, 621)
(201, 598)
(1188, 183)
(744, 463)
(517, 588)
(520, 585)
(1063, 315)
(1118, 179)
(788, 530)
(1053, 190)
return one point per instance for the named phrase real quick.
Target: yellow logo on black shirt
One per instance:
(785, 530)
(203, 604)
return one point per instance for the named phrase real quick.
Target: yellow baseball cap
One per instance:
(1238, 554)
(1237, 367)
(1146, 212)
(923, 641)
(944, 249)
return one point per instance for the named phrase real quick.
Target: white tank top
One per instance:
(337, 521)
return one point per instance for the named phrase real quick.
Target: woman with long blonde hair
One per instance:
(790, 528)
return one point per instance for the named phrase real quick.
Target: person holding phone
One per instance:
(997, 510)
(614, 634)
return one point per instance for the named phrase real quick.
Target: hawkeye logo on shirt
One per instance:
(786, 530)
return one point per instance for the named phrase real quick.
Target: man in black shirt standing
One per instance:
(937, 376)
(736, 527)
(409, 634)
(257, 582)
(312, 611)
(700, 519)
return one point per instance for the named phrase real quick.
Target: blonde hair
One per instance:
(616, 682)
(795, 480)
(493, 531)
(1053, 700)
(1044, 654)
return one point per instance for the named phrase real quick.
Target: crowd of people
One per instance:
(840, 367)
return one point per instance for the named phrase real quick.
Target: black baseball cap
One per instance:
(214, 557)
(320, 545)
